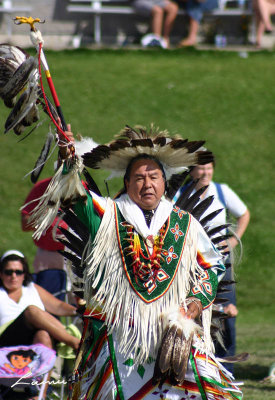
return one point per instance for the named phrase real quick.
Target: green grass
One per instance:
(216, 96)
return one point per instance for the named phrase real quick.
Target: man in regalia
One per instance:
(150, 274)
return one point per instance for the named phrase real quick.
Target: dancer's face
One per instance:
(146, 184)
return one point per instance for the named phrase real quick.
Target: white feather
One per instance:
(84, 145)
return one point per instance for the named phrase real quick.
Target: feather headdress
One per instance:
(174, 153)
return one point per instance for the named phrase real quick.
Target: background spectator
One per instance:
(26, 308)
(195, 10)
(263, 9)
(224, 198)
(163, 14)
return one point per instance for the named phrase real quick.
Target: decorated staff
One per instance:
(38, 42)
(21, 88)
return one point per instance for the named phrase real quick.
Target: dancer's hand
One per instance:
(66, 149)
(194, 308)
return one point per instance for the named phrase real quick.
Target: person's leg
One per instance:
(229, 341)
(191, 39)
(265, 12)
(260, 32)
(157, 19)
(171, 11)
(44, 338)
(42, 320)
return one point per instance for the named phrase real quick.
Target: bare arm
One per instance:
(54, 305)
(242, 224)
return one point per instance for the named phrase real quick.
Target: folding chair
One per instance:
(54, 281)
(22, 367)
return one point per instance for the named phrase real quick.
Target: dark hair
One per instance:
(24, 353)
(24, 262)
(211, 162)
(142, 156)
(214, 159)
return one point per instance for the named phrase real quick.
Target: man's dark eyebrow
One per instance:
(150, 173)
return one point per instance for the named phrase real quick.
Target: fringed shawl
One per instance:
(138, 325)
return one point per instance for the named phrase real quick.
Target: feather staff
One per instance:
(37, 40)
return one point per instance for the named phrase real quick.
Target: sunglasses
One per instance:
(9, 272)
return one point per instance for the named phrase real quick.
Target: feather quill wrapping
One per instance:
(64, 189)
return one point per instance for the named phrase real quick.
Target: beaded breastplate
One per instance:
(151, 264)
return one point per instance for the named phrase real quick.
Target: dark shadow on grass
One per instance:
(263, 388)
(253, 372)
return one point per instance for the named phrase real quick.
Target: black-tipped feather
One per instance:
(78, 271)
(185, 195)
(220, 248)
(70, 245)
(227, 282)
(193, 200)
(210, 216)
(76, 244)
(217, 229)
(91, 183)
(79, 293)
(222, 290)
(202, 207)
(220, 238)
(219, 314)
(42, 158)
(77, 267)
(220, 300)
(175, 182)
(74, 259)
(76, 225)
(225, 253)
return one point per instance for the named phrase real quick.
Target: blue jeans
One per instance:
(229, 329)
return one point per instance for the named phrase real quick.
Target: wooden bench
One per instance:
(99, 7)
(8, 9)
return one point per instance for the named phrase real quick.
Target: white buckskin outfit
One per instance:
(135, 280)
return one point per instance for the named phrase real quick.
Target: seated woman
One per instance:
(25, 307)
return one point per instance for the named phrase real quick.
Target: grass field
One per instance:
(217, 96)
